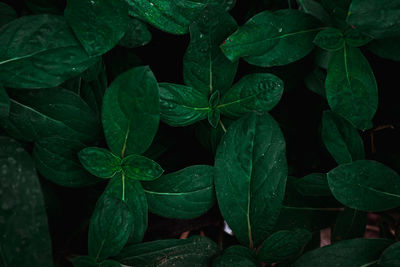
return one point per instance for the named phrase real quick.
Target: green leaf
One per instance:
(355, 38)
(84, 261)
(110, 263)
(45, 6)
(205, 67)
(235, 256)
(24, 234)
(341, 138)
(136, 34)
(141, 168)
(351, 88)
(170, 16)
(42, 52)
(250, 177)
(56, 159)
(214, 116)
(330, 39)
(7, 14)
(254, 92)
(348, 253)
(195, 251)
(182, 105)
(109, 227)
(98, 25)
(386, 48)
(376, 18)
(36, 114)
(132, 193)
(273, 38)
(316, 10)
(365, 185)
(4, 103)
(185, 194)
(131, 111)
(390, 256)
(283, 246)
(349, 224)
(338, 11)
(313, 185)
(315, 81)
(100, 162)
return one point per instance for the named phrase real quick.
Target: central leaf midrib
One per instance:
(177, 193)
(370, 189)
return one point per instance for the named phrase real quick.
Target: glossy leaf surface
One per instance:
(330, 39)
(100, 162)
(141, 168)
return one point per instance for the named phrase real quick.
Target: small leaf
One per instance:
(351, 88)
(214, 117)
(4, 103)
(100, 162)
(235, 256)
(365, 185)
(185, 194)
(283, 245)
(355, 38)
(182, 105)
(131, 112)
(273, 38)
(341, 138)
(390, 256)
(141, 168)
(250, 177)
(348, 253)
(316, 10)
(386, 48)
(255, 92)
(314, 184)
(214, 99)
(136, 35)
(350, 223)
(109, 228)
(195, 251)
(330, 39)
(7, 14)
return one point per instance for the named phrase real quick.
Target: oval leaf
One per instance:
(141, 168)
(330, 39)
(100, 162)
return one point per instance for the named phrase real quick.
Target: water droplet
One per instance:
(280, 30)
(151, 4)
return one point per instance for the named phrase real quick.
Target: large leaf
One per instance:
(390, 256)
(41, 52)
(273, 38)
(184, 194)
(131, 111)
(36, 114)
(182, 105)
(195, 251)
(98, 25)
(341, 139)
(250, 177)
(100, 162)
(377, 18)
(4, 103)
(365, 185)
(351, 88)
(258, 92)
(386, 48)
(205, 67)
(56, 159)
(141, 168)
(7, 14)
(235, 256)
(170, 16)
(109, 228)
(348, 253)
(24, 234)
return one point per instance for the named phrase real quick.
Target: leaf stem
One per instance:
(222, 126)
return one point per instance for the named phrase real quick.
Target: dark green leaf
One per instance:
(110, 263)
(250, 177)
(351, 88)
(184, 194)
(136, 35)
(341, 138)
(315, 9)
(365, 185)
(273, 38)
(24, 234)
(235, 256)
(4, 103)
(386, 48)
(181, 105)
(99, 25)
(45, 6)
(376, 18)
(348, 253)
(338, 11)
(109, 228)
(390, 256)
(195, 251)
(214, 117)
(133, 194)
(170, 16)
(41, 52)
(254, 92)
(355, 38)
(205, 67)
(56, 159)
(141, 168)
(283, 245)
(131, 111)
(7, 14)
(36, 114)
(85, 261)
(315, 81)
(349, 224)
(315, 184)
(100, 162)
(330, 39)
